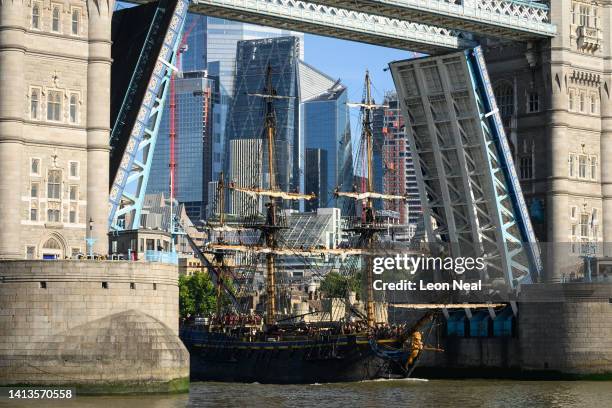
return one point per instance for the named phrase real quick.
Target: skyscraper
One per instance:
(222, 37)
(248, 109)
(325, 125)
(399, 177)
(312, 118)
(195, 96)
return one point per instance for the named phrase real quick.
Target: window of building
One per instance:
(54, 105)
(30, 252)
(594, 102)
(582, 102)
(34, 103)
(572, 100)
(533, 103)
(74, 252)
(55, 19)
(33, 214)
(34, 190)
(582, 166)
(74, 193)
(504, 94)
(593, 168)
(572, 165)
(584, 15)
(53, 215)
(526, 167)
(573, 212)
(54, 184)
(76, 18)
(584, 225)
(74, 169)
(73, 108)
(36, 16)
(72, 217)
(35, 167)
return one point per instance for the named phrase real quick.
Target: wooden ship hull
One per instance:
(337, 358)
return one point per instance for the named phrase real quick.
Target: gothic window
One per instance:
(34, 103)
(35, 166)
(582, 166)
(572, 100)
(54, 184)
(74, 169)
(504, 94)
(76, 18)
(572, 165)
(526, 167)
(36, 16)
(533, 102)
(55, 19)
(54, 105)
(53, 216)
(73, 108)
(593, 168)
(52, 243)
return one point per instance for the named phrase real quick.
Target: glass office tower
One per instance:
(247, 111)
(195, 97)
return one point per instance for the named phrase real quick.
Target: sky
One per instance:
(349, 60)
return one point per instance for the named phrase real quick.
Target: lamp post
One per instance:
(89, 239)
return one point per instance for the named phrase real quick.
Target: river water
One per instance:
(379, 393)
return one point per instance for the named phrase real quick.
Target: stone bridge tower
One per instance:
(554, 96)
(54, 126)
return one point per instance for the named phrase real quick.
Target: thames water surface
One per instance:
(378, 393)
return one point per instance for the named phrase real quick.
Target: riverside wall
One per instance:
(102, 326)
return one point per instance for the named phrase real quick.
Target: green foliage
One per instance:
(335, 285)
(196, 295)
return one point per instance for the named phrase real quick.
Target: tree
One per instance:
(196, 295)
(335, 285)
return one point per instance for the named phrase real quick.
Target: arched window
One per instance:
(73, 108)
(36, 16)
(34, 101)
(52, 243)
(54, 184)
(54, 105)
(55, 19)
(504, 94)
(76, 16)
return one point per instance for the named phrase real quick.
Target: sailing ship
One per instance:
(275, 346)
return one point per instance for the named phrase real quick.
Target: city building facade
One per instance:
(399, 177)
(325, 126)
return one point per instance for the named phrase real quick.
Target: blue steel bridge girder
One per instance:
(464, 167)
(129, 185)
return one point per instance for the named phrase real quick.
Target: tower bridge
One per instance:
(553, 100)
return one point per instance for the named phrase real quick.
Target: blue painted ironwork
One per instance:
(129, 186)
(506, 166)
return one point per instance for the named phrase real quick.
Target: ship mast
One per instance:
(270, 229)
(367, 228)
(368, 235)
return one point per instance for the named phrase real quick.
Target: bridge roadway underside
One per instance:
(435, 28)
